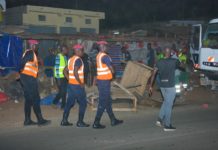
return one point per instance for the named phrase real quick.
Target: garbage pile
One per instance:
(12, 87)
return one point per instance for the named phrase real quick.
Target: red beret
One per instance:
(102, 43)
(33, 42)
(77, 46)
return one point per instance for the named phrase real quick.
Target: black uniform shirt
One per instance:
(28, 57)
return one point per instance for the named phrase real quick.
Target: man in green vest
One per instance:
(159, 54)
(60, 64)
(182, 57)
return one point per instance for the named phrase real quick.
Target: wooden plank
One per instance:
(123, 88)
(136, 74)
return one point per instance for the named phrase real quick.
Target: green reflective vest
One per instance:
(160, 56)
(182, 58)
(60, 64)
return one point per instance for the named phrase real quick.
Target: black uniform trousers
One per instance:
(31, 95)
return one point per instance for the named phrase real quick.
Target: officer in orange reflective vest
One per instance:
(104, 76)
(74, 72)
(29, 73)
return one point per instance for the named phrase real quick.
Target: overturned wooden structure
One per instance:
(131, 87)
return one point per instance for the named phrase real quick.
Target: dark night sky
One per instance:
(121, 13)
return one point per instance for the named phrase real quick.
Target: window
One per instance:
(41, 17)
(68, 19)
(211, 36)
(88, 21)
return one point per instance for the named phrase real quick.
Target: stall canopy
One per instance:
(10, 52)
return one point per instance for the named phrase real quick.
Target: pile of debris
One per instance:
(12, 86)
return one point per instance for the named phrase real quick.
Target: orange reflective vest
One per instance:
(103, 71)
(31, 67)
(71, 65)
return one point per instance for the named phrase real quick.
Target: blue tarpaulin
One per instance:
(48, 100)
(10, 51)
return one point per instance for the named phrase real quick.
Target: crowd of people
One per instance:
(71, 73)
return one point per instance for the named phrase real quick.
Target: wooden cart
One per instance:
(131, 87)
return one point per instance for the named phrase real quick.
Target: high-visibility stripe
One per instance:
(61, 67)
(29, 69)
(102, 69)
(33, 65)
(104, 73)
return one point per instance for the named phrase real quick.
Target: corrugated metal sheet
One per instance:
(45, 45)
(115, 54)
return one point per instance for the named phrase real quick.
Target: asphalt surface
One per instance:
(197, 129)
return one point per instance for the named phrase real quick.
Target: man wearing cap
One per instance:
(29, 74)
(104, 76)
(60, 64)
(74, 72)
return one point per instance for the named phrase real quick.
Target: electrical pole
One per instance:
(77, 4)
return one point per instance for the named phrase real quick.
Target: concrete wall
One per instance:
(56, 17)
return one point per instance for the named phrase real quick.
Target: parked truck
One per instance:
(204, 52)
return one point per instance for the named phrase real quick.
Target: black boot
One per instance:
(28, 121)
(97, 124)
(42, 121)
(114, 121)
(82, 124)
(64, 121)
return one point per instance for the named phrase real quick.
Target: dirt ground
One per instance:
(196, 128)
(195, 118)
(11, 114)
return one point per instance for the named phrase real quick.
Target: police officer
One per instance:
(104, 76)
(76, 91)
(29, 73)
(60, 64)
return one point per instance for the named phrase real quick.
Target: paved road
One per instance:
(197, 129)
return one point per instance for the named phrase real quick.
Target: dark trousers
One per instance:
(76, 93)
(31, 95)
(105, 100)
(62, 91)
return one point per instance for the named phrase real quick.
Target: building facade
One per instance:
(54, 20)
